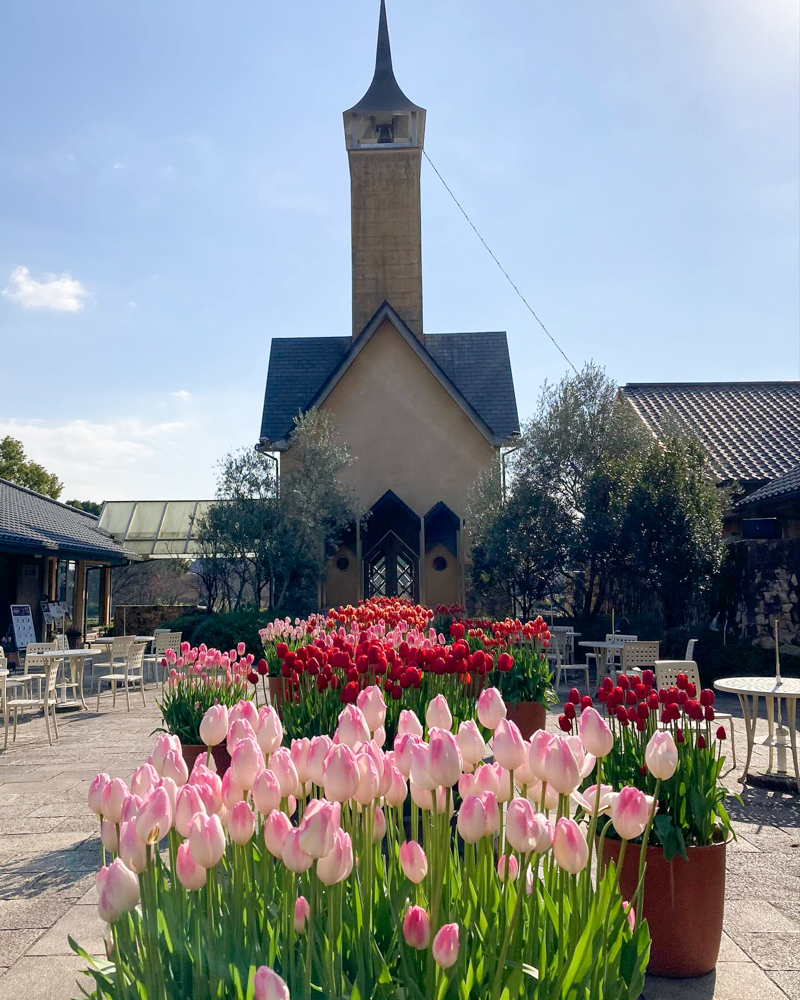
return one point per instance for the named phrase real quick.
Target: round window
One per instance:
(440, 564)
(343, 564)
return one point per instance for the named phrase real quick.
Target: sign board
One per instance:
(53, 614)
(22, 619)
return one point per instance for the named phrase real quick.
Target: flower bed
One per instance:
(298, 874)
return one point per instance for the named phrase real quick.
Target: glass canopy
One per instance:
(160, 529)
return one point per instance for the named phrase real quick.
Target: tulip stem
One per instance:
(498, 976)
(638, 899)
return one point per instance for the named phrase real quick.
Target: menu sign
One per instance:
(22, 619)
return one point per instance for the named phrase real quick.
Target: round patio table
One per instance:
(72, 662)
(772, 691)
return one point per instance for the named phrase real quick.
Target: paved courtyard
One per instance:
(49, 852)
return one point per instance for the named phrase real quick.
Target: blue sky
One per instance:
(174, 192)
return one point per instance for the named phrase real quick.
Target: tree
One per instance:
(520, 542)
(88, 506)
(16, 468)
(672, 530)
(577, 451)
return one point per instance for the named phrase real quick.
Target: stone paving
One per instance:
(49, 852)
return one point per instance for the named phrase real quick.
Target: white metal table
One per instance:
(773, 691)
(72, 661)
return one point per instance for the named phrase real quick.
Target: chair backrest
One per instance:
(667, 672)
(618, 637)
(33, 659)
(689, 654)
(3, 662)
(167, 640)
(639, 654)
(121, 646)
(50, 674)
(559, 628)
(135, 659)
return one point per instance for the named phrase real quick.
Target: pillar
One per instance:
(79, 607)
(359, 562)
(105, 595)
(422, 561)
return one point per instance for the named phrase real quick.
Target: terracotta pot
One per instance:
(220, 754)
(684, 903)
(528, 715)
(276, 693)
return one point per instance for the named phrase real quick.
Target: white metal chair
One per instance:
(117, 656)
(689, 654)
(637, 656)
(34, 667)
(667, 673)
(563, 665)
(130, 676)
(569, 633)
(61, 641)
(164, 640)
(25, 701)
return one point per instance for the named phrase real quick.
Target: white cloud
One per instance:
(182, 394)
(118, 166)
(60, 294)
(133, 305)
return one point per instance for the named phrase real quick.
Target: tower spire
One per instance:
(384, 93)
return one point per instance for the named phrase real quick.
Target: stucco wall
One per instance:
(441, 586)
(341, 588)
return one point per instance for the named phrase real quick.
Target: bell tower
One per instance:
(384, 134)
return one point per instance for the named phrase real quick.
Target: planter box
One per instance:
(220, 754)
(684, 903)
(528, 716)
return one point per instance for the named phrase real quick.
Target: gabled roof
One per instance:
(750, 430)
(474, 368)
(30, 522)
(785, 487)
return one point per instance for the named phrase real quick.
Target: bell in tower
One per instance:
(384, 134)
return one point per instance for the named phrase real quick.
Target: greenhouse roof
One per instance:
(161, 529)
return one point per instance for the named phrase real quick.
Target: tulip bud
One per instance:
(96, 788)
(508, 745)
(269, 985)
(247, 761)
(269, 733)
(444, 758)
(513, 868)
(301, 913)
(155, 816)
(320, 822)
(470, 742)
(569, 846)
(409, 723)
(317, 752)
(283, 767)
(491, 708)
(438, 714)
(373, 706)
(352, 728)
(341, 776)
(276, 829)
(117, 890)
(143, 779)
(174, 767)
(561, 768)
(266, 792)
(596, 735)
(398, 790)
(241, 823)
(472, 822)
(417, 928)
(445, 946)
(108, 836)
(378, 826)
(190, 875)
(132, 849)
(413, 861)
(206, 840)
(537, 752)
(115, 792)
(214, 725)
(661, 755)
(187, 803)
(630, 812)
(336, 865)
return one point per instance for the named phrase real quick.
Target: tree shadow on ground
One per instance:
(49, 872)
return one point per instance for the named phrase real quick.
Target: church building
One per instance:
(421, 412)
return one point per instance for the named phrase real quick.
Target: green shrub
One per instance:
(224, 630)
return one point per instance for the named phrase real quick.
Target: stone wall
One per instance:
(769, 571)
(141, 619)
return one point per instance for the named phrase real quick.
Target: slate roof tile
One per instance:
(785, 487)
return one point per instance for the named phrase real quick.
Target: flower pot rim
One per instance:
(657, 847)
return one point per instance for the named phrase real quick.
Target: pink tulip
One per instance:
(143, 779)
(466, 785)
(276, 829)
(301, 914)
(596, 734)
(520, 825)
(472, 822)
(492, 811)
(188, 803)
(161, 747)
(373, 706)
(503, 783)
(115, 792)
(96, 788)
(560, 767)
(266, 792)
(270, 730)
(523, 774)
(378, 826)
(246, 711)
(368, 780)
(630, 913)
(299, 753)
(661, 755)
(491, 707)
(444, 758)
(155, 817)
(438, 714)
(341, 776)
(420, 766)
(293, 855)
(379, 736)
(352, 728)
(246, 762)
(171, 789)
(117, 890)
(586, 798)
(190, 875)
(398, 792)
(403, 745)
(569, 846)
(317, 752)
(108, 835)
(174, 767)
(537, 752)
(470, 742)
(241, 823)
(534, 794)
(269, 985)
(413, 861)
(508, 745)
(585, 761)
(630, 812)
(130, 808)
(230, 792)
(283, 767)
(209, 787)
(417, 928)
(338, 863)
(132, 849)
(239, 730)
(486, 780)
(214, 725)
(513, 868)
(207, 840)
(240, 648)
(320, 822)
(409, 723)
(445, 946)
